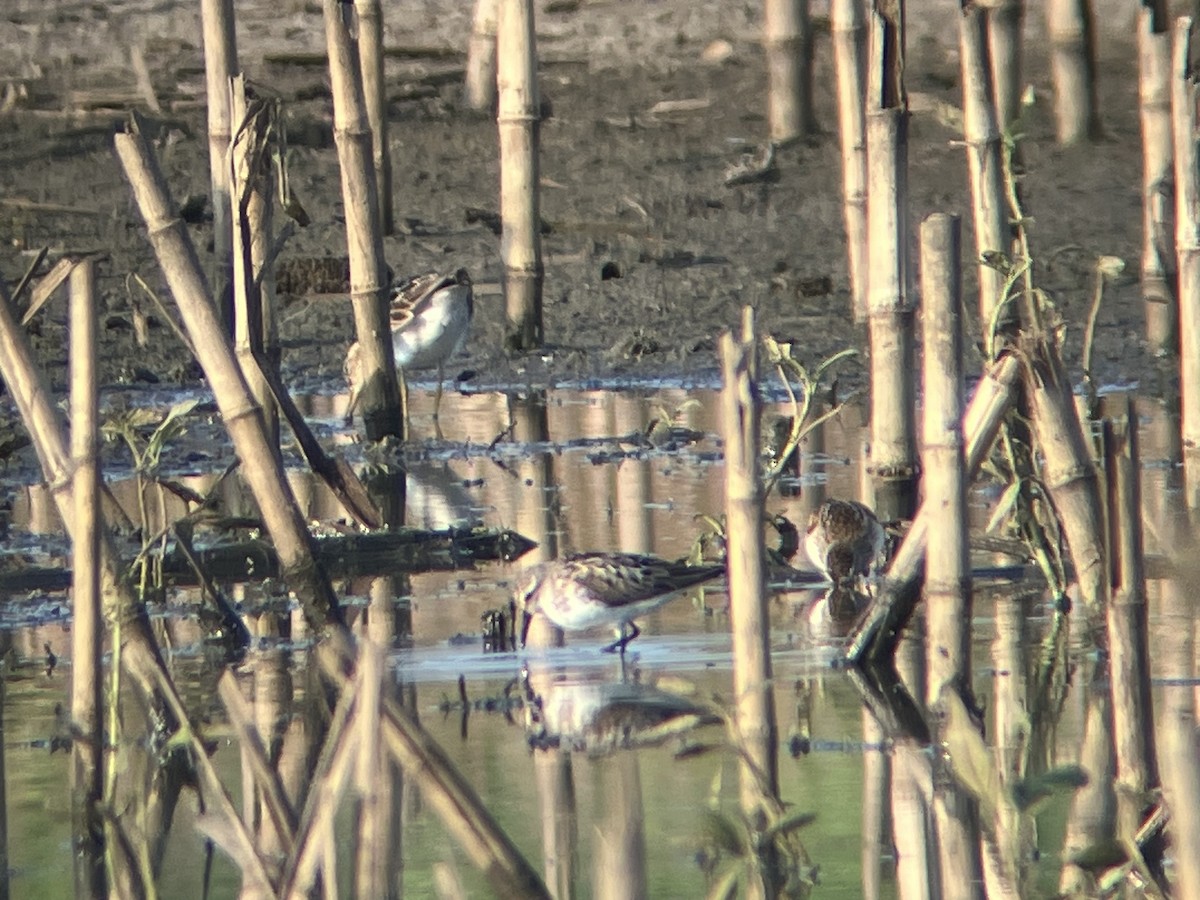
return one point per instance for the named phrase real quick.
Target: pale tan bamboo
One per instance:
(788, 45)
(220, 64)
(619, 865)
(554, 778)
(481, 58)
(370, 51)
(1068, 472)
(755, 707)
(1158, 234)
(1005, 23)
(1004, 858)
(262, 471)
(981, 138)
(917, 872)
(519, 122)
(1128, 643)
(850, 60)
(246, 157)
(876, 827)
(87, 671)
(1187, 229)
(897, 598)
(370, 872)
(380, 393)
(1071, 31)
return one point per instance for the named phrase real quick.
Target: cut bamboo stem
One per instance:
(260, 467)
(481, 58)
(370, 51)
(981, 138)
(1128, 642)
(519, 122)
(850, 62)
(1187, 229)
(1070, 28)
(788, 45)
(220, 64)
(898, 594)
(1158, 182)
(87, 671)
(379, 397)
(755, 710)
(1005, 24)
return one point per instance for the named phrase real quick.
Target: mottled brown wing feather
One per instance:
(411, 298)
(621, 579)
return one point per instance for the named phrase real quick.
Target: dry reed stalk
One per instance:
(1070, 28)
(1158, 236)
(898, 594)
(519, 122)
(850, 62)
(876, 825)
(139, 653)
(374, 836)
(250, 192)
(890, 324)
(619, 867)
(1187, 229)
(380, 394)
(1128, 642)
(788, 45)
(754, 715)
(220, 64)
(480, 88)
(1005, 23)
(449, 795)
(1009, 731)
(535, 517)
(87, 670)
(1068, 472)
(554, 778)
(981, 138)
(370, 52)
(260, 467)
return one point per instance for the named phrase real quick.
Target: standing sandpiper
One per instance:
(590, 589)
(430, 316)
(845, 541)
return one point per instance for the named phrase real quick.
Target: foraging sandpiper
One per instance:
(590, 589)
(844, 540)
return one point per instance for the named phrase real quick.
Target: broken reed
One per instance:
(1072, 34)
(788, 45)
(890, 327)
(370, 54)
(379, 397)
(1158, 235)
(519, 123)
(87, 623)
(1187, 238)
(480, 87)
(850, 61)
(754, 712)
(220, 64)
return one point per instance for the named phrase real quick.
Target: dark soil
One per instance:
(649, 256)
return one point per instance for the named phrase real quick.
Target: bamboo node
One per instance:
(518, 118)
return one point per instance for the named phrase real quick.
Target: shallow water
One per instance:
(570, 475)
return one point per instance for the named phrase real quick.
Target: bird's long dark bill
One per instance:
(526, 621)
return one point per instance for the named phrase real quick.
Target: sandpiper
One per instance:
(844, 540)
(430, 316)
(590, 589)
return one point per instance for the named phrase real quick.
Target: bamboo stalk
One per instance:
(876, 827)
(374, 836)
(1005, 24)
(890, 325)
(519, 122)
(220, 64)
(981, 138)
(1128, 643)
(251, 235)
(898, 594)
(1070, 27)
(554, 780)
(87, 670)
(788, 45)
(755, 710)
(262, 471)
(850, 61)
(1004, 856)
(1187, 229)
(379, 401)
(370, 50)
(1158, 237)
(481, 57)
